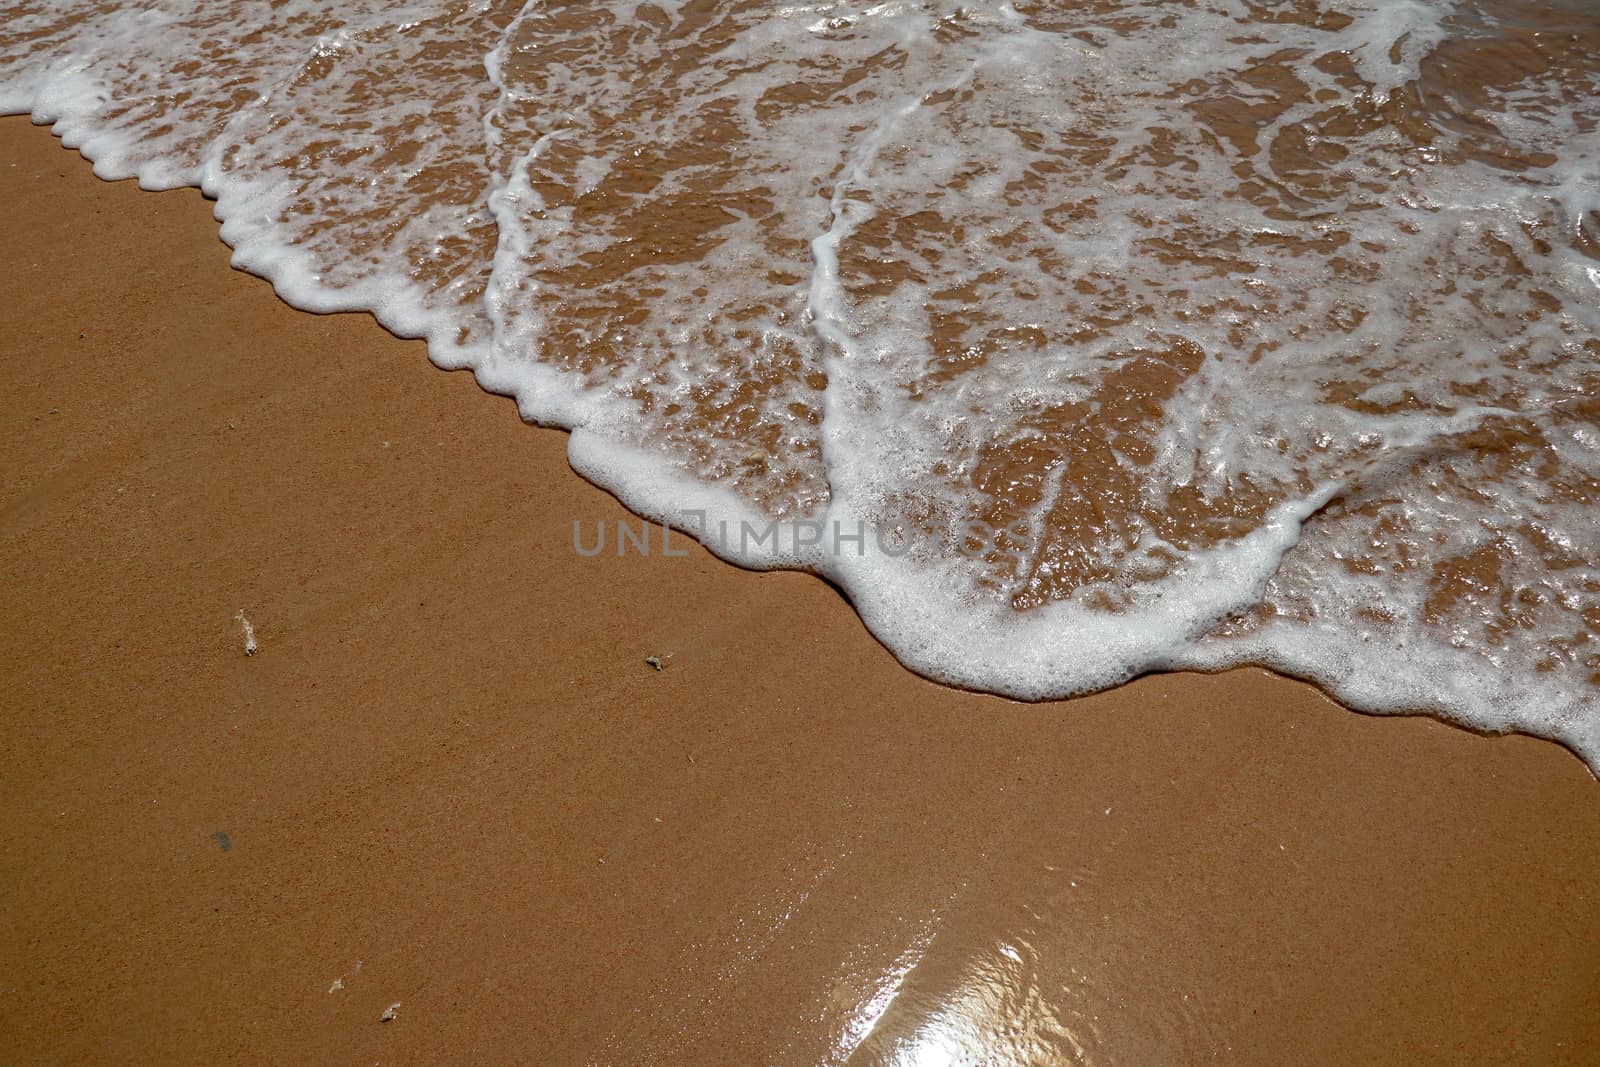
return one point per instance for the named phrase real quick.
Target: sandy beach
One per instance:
(449, 783)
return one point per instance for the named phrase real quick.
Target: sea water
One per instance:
(1084, 338)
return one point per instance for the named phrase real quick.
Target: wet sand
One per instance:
(449, 781)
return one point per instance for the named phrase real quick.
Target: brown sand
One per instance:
(449, 779)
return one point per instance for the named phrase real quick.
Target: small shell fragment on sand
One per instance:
(249, 633)
(655, 662)
(390, 1013)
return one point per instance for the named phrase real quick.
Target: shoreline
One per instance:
(450, 761)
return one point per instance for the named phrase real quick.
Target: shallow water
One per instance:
(1071, 340)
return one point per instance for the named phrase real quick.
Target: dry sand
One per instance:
(449, 780)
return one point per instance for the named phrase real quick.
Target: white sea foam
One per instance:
(1149, 335)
